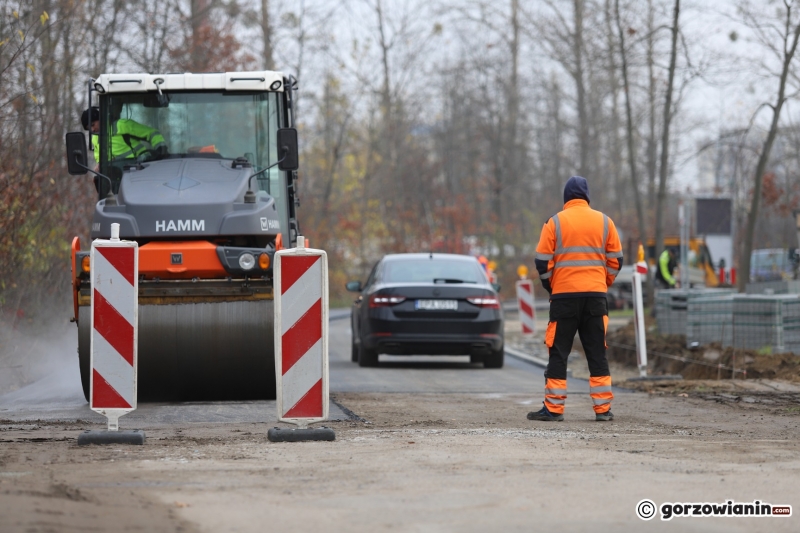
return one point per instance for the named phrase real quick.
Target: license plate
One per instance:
(437, 305)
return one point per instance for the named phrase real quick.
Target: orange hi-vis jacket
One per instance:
(582, 249)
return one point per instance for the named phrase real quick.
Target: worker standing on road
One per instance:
(578, 256)
(666, 266)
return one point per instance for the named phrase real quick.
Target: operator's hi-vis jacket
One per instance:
(127, 138)
(581, 250)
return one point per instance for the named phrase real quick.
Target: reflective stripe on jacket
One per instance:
(582, 251)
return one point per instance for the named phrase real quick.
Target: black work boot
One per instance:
(604, 417)
(545, 415)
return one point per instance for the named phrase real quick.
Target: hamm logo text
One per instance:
(180, 225)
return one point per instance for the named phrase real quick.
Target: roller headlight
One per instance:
(247, 261)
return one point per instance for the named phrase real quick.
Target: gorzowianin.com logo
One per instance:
(647, 509)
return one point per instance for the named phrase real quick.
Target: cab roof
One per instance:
(257, 80)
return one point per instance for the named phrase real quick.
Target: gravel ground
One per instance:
(414, 462)
(423, 462)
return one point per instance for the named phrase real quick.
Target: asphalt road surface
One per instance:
(58, 395)
(431, 374)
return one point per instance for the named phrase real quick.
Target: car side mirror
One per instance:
(353, 286)
(77, 162)
(287, 149)
(496, 287)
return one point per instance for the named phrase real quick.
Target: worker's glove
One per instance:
(162, 150)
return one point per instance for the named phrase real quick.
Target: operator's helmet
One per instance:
(89, 116)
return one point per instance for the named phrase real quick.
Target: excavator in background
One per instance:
(701, 265)
(208, 212)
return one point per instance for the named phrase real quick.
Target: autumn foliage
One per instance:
(780, 199)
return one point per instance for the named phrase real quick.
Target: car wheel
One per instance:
(353, 350)
(494, 359)
(367, 357)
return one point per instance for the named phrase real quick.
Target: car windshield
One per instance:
(432, 271)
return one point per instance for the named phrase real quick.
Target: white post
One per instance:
(638, 323)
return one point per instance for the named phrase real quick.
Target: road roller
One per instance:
(200, 170)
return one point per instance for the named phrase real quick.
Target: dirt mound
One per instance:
(668, 354)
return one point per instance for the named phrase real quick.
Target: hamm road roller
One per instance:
(200, 170)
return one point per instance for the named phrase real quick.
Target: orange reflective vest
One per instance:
(582, 250)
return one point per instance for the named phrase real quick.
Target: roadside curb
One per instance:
(526, 357)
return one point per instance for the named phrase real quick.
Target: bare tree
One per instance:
(665, 142)
(267, 60)
(781, 38)
(630, 129)
(156, 25)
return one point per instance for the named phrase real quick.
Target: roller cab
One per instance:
(199, 169)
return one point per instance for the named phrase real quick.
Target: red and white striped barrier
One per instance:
(301, 334)
(115, 305)
(527, 314)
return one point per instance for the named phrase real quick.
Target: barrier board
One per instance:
(113, 346)
(527, 313)
(301, 334)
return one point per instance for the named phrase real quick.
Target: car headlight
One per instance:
(247, 261)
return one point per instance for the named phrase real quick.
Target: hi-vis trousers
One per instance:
(588, 316)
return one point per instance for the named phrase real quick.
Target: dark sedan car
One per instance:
(432, 304)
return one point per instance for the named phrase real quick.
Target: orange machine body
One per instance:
(180, 260)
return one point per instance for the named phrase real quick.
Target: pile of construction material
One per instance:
(709, 319)
(774, 287)
(672, 307)
(768, 322)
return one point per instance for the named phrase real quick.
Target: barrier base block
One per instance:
(111, 437)
(299, 435)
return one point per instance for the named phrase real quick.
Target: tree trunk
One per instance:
(508, 168)
(663, 171)
(583, 126)
(637, 195)
(266, 34)
(199, 19)
(652, 151)
(615, 164)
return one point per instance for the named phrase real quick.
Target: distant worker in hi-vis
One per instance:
(666, 267)
(578, 256)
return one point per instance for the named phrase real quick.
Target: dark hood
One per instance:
(577, 188)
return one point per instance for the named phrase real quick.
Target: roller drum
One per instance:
(217, 351)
